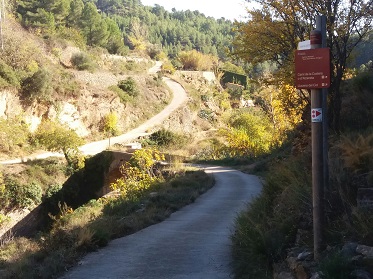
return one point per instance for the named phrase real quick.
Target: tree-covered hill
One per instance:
(121, 24)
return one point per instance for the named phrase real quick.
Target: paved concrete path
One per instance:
(179, 98)
(194, 243)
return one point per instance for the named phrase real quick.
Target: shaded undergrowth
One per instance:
(76, 232)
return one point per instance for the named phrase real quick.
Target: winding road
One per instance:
(179, 98)
(194, 243)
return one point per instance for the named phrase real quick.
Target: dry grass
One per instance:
(357, 153)
(91, 226)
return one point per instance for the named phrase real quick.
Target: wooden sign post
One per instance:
(312, 70)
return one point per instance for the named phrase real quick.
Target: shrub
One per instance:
(52, 190)
(138, 174)
(168, 68)
(166, 138)
(38, 86)
(129, 86)
(14, 135)
(336, 266)
(8, 75)
(17, 195)
(194, 60)
(65, 84)
(72, 35)
(3, 219)
(82, 61)
(250, 135)
(110, 124)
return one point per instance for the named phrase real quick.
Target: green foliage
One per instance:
(357, 153)
(94, 27)
(124, 97)
(156, 81)
(82, 61)
(357, 93)
(65, 85)
(129, 86)
(8, 75)
(250, 135)
(282, 27)
(336, 266)
(269, 225)
(15, 195)
(76, 232)
(110, 124)
(230, 67)
(138, 174)
(3, 219)
(14, 135)
(174, 32)
(166, 138)
(206, 114)
(350, 165)
(73, 35)
(52, 190)
(57, 138)
(38, 86)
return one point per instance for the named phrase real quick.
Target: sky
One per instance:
(232, 9)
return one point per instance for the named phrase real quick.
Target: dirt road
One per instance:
(194, 243)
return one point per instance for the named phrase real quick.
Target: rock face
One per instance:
(66, 113)
(10, 105)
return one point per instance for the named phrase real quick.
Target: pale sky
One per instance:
(231, 9)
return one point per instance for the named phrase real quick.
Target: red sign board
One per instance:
(312, 68)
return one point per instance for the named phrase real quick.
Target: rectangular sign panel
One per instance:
(312, 68)
(304, 45)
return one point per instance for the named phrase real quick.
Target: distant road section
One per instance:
(179, 97)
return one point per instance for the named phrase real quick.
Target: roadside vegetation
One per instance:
(143, 195)
(276, 228)
(268, 136)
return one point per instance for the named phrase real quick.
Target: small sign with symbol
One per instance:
(316, 115)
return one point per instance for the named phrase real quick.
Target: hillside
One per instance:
(74, 71)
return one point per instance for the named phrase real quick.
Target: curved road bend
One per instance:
(194, 243)
(179, 97)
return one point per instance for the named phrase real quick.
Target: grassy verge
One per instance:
(76, 232)
(270, 223)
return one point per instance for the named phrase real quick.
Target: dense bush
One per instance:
(16, 195)
(65, 84)
(38, 86)
(250, 134)
(14, 135)
(165, 137)
(197, 61)
(168, 68)
(82, 61)
(129, 86)
(8, 75)
(358, 93)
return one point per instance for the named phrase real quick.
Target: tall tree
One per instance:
(273, 31)
(76, 10)
(93, 26)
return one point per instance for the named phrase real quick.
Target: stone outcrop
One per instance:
(299, 263)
